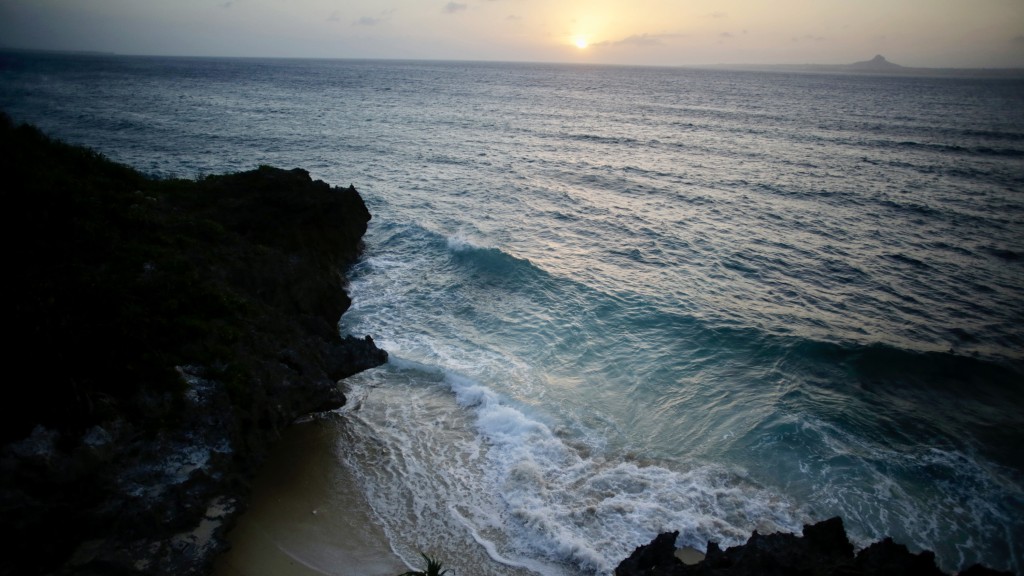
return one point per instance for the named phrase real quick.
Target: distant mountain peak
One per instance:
(877, 63)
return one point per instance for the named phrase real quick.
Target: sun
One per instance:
(580, 42)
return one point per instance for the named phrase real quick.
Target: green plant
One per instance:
(433, 568)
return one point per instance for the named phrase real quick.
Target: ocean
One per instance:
(624, 300)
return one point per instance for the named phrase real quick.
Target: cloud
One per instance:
(453, 7)
(513, 18)
(1018, 39)
(374, 20)
(639, 40)
(716, 15)
(808, 38)
(227, 4)
(726, 35)
(334, 17)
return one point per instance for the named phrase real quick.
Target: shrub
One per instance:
(433, 568)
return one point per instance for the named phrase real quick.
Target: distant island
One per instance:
(876, 64)
(879, 65)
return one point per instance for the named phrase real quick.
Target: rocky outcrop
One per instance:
(166, 332)
(823, 550)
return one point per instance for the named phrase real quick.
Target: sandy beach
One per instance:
(306, 518)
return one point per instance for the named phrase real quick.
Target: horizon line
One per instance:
(897, 69)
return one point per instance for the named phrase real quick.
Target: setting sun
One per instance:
(580, 42)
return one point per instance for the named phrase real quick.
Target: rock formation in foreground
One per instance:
(823, 550)
(163, 334)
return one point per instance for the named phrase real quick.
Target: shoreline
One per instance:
(292, 526)
(306, 517)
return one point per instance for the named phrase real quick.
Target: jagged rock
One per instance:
(354, 355)
(173, 329)
(886, 558)
(656, 558)
(829, 538)
(823, 550)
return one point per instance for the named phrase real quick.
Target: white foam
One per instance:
(407, 364)
(522, 489)
(460, 242)
(547, 501)
(528, 491)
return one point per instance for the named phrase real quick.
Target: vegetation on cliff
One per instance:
(432, 567)
(166, 331)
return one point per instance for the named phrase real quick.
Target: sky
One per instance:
(921, 33)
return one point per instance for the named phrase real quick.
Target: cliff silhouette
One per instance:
(166, 332)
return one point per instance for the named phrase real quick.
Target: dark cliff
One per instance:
(823, 550)
(163, 333)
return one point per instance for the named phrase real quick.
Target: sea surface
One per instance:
(620, 300)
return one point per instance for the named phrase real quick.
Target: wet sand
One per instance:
(306, 518)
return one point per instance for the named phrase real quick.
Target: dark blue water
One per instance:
(626, 300)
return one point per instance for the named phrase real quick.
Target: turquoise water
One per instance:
(620, 301)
